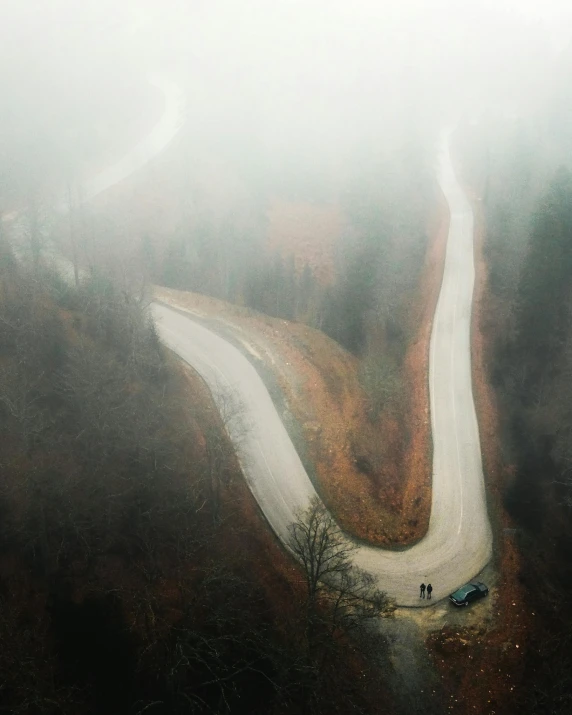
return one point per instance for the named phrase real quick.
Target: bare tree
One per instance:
(19, 396)
(338, 594)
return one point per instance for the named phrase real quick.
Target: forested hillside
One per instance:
(135, 573)
(520, 169)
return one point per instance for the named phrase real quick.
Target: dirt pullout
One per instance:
(481, 665)
(321, 389)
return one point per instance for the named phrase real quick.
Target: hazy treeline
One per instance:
(386, 192)
(521, 168)
(386, 200)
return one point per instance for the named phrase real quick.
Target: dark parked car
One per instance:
(468, 593)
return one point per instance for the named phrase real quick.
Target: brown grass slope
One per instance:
(375, 476)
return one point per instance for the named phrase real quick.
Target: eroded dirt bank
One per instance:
(325, 408)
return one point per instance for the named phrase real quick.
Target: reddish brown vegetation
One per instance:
(375, 477)
(321, 387)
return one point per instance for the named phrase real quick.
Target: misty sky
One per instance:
(312, 45)
(303, 72)
(308, 50)
(330, 40)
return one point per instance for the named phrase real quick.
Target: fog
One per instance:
(296, 77)
(275, 168)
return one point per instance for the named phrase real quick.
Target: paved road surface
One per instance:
(458, 543)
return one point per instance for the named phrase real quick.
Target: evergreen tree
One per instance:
(545, 289)
(349, 303)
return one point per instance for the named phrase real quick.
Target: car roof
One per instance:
(463, 591)
(468, 587)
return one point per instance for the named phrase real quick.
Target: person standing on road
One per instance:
(429, 590)
(422, 591)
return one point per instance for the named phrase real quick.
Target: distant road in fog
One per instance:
(458, 543)
(146, 149)
(150, 146)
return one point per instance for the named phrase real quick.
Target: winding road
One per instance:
(458, 543)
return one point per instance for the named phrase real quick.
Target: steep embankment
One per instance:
(374, 475)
